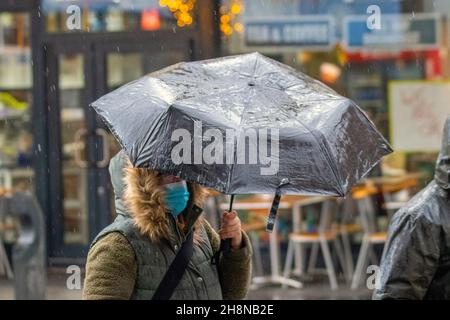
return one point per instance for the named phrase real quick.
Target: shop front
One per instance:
(338, 42)
(52, 66)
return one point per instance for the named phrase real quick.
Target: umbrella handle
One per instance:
(226, 243)
(274, 208)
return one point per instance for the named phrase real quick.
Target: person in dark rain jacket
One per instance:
(416, 259)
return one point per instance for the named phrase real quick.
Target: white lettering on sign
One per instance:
(288, 34)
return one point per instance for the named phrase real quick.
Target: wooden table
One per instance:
(389, 185)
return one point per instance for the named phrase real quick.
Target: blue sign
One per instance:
(297, 31)
(403, 32)
(340, 7)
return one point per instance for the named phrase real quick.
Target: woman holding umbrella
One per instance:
(130, 258)
(320, 144)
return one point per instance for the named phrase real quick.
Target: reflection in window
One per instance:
(16, 140)
(15, 94)
(110, 16)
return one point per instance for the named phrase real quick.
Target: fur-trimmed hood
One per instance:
(139, 195)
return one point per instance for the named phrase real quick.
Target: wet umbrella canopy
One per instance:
(241, 125)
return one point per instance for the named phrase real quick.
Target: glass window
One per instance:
(71, 102)
(117, 15)
(15, 100)
(16, 140)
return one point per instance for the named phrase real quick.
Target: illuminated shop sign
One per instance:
(297, 31)
(404, 32)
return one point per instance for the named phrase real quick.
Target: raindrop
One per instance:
(39, 147)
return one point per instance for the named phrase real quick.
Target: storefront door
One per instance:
(80, 69)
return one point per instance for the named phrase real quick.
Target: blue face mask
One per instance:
(176, 197)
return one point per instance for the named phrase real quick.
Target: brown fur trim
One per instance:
(144, 198)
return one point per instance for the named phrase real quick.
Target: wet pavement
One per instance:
(57, 290)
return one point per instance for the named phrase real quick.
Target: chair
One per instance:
(252, 228)
(326, 233)
(347, 227)
(397, 194)
(371, 235)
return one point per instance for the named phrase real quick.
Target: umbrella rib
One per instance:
(110, 127)
(230, 177)
(325, 149)
(254, 66)
(284, 90)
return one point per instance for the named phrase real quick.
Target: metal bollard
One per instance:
(28, 256)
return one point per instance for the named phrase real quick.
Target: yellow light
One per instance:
(225, 18)
(229, 16)
(184, 17)
(235, 9)
(238, 27)
(228, 31)
(180, 10)
(173, 6)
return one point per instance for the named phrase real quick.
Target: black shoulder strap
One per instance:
(176, 270)
(179, 264)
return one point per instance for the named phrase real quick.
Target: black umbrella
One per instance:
(244, 124)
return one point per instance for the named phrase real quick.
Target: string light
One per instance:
(181, 10)
(229, 14)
